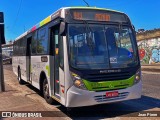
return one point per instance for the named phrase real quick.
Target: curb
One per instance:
(150, 68)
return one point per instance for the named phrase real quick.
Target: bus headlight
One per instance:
(77, 81)
(137, 77)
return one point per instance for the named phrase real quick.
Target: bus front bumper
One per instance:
(78, 97)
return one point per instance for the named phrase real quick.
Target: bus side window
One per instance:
(20, 46)
(42, 42)
(34, 43)
(17, 48)
(24, 45)
(61, 53)
(14, 46)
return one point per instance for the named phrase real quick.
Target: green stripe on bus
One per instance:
(109, 85)
(31, 68)
(48, 70)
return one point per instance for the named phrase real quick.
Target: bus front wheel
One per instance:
(48, 99)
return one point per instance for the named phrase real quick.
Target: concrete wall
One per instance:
(149, 51)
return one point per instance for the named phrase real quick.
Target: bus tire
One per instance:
(69, 111)
(48, 99)
(19, 76)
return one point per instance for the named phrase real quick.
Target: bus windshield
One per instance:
(101, 46)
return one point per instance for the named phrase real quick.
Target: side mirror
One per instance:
(62, 28)
(133, 27)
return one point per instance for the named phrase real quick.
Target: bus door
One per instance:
(56, 62)
(28, 59)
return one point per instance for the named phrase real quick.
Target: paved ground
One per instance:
(26, 98)
(151, 68)
(23, 97)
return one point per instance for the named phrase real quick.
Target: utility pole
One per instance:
(2, 41)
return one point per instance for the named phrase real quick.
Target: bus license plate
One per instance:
(112, 94)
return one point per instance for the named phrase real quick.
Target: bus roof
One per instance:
(93, 8)
(58, 12)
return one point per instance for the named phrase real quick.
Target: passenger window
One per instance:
(34, 43)
(61, 56)
(42, 42)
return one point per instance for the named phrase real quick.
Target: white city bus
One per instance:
(80, 56)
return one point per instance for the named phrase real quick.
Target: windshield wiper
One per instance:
(89, 37)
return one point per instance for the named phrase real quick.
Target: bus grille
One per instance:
(108, 76)
(103, 98)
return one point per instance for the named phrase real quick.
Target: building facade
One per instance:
(149, 46)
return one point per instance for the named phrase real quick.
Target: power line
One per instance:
(17, 13)
(86, 3)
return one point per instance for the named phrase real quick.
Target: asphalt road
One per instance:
(149, 102)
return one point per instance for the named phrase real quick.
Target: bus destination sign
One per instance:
(97, 15)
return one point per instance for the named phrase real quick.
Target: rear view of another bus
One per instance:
(7, 54)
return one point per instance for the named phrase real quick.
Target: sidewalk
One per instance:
(18, 97)
(151, 68)
(22, 97)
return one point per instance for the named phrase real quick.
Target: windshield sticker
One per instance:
(57, 51)
(113, 59)
(130, 55)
